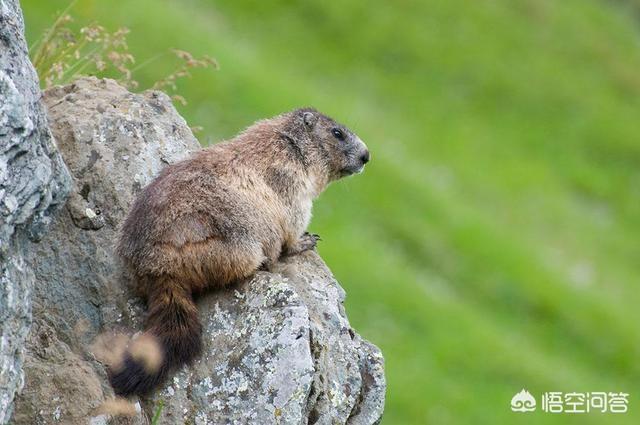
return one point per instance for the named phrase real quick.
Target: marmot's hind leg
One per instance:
(219, 263)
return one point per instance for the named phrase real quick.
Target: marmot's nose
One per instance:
(365, 157)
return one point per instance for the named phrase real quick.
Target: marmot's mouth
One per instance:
(351, 170)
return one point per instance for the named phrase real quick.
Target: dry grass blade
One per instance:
(63, 54)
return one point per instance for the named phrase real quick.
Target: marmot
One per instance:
(218, 217)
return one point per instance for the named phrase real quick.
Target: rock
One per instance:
(114, 142)
(33, 182)
(278, 347)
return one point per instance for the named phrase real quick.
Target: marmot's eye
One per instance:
(338, 134)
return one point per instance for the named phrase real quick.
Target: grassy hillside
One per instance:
(492, 243)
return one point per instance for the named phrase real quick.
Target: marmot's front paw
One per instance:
(308, 241)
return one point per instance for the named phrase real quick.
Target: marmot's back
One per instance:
(193, 202)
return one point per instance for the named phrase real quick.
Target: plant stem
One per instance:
(156, 416)
(43, 41)
(148, 61)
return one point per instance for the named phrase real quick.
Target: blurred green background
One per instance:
(493, 243)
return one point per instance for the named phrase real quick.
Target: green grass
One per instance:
(493, 241)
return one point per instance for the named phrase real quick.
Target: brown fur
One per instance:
(218, 217)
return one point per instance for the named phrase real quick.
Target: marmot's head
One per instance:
(339, 150)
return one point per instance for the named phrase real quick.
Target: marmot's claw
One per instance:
(308, 241)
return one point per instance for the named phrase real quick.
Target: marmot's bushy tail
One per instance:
(174, 329)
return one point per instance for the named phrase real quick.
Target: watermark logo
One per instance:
(572, 402)
(523, 402)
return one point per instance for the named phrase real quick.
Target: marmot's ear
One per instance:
(309, 119)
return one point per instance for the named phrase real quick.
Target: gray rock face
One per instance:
(33, 181)
(278, 348)
(114, 142)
